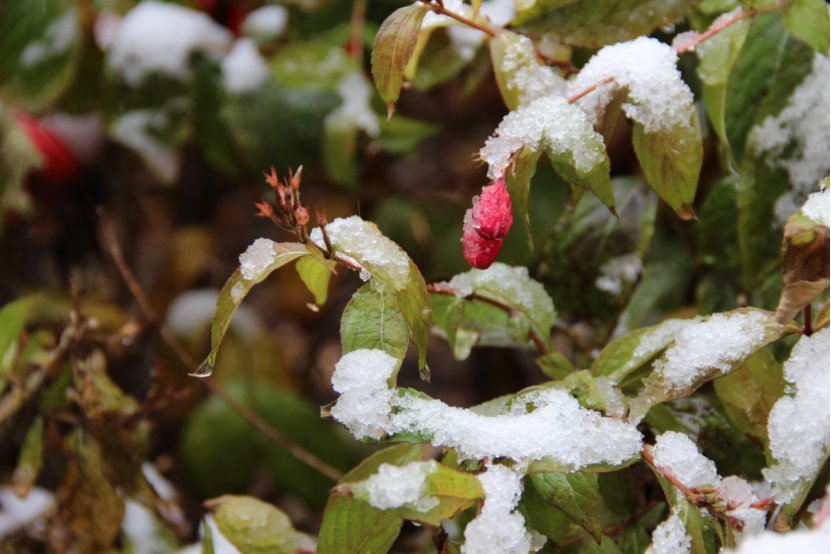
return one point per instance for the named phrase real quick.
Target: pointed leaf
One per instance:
(749, 393)
(671, 161)
(31, 459)
(394, 44)
(807, 20)
(576, 494)
(12, 320)
(518, 183)
(315, 275)
(238, 286)
(372, 320)
(254, 526)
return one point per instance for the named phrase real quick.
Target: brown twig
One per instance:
(114, 249)
(594, 87)
(438, 7)
(447, 290)
(807, 328)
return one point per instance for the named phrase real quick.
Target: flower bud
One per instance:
(479, 251)
(301, 215)
(492, 210)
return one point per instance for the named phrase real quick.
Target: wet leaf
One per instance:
(254, 526)
(235, 290)
(315, 275)
(576, 494)
(372, 320)
(12, 320)
(518, 183)
(394, 44)
(807, 20)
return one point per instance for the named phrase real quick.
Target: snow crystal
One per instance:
(400, 486)
(355, 111)
(618, 272)
(59, 36)
(801, 540)
(803, 125)
(548, 423)
(526, 75)
(365, 397)
(658, 98)
(244, 69)
(256, 258)
(266, 23)
(670, 537)
(798, 425)
(676, 453)
(566, 130)
(134, 129)
(737, 492)
(498, 525)
(156, 37)
(818, 207)
(362, 240)
(194, 309)
(718, 342)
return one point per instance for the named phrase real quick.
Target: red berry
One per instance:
(479, 251)
(492, 210)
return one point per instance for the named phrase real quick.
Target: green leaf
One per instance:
(518, 183)
(454, 490)
(514, 56)
(544, 517)
(30, 461)
(372, 320)
(555, 365)
(13, 318)
(353, 526)
(595, 23)
(660, 387)
(717, 57)
(807, 20)
(718, 249)
(592, 258)
(39, 51)
(634, 540)
(409, 292)
(254, 526)
(235, 290)
(576, 494)
(315, 275)
(18, 157)
(749, 393)
(403, 135)
(394, 45)
(671, 161)
(606, 546)
(436, 62)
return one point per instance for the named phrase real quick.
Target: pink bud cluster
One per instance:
(486, 224)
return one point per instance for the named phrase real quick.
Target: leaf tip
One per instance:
(687, 212)
(390, 110)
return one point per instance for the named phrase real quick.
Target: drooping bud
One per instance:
(479, 251)
(492, 210)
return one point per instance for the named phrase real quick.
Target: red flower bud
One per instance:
(301, 215)
(59, 165)
(479, 251)
(492, 210)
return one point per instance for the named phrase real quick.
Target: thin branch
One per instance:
(114, 249)
(592, 88)
(446, 290)
(437, 7)
(716, 28)
(356, 30)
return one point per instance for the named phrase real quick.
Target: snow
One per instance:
(807, 541)
(670, 537)
(737, 492)
(818, 207)
(399, 486)
(244, 69)
(256, 258)
(58, 38)
(541, 424)
(157, 37)
(797, 139)
(142, 529)
(466, 40)
(717, 343)
(798, 424)
(566, 130)
(658, 98)
(355, 111)
(526, 76)
(498, 526)
(361, 240)
(676, 453)
(221, 545)
(618, 272)
(16, 512)
(266, 23)
(193, 310)
(133, 129)
(505, 281)
(365, 398)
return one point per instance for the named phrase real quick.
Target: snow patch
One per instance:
(400, 486)
(365, 398)
(266, 23)
(670, 537)
(256, 258)
(244, 69)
